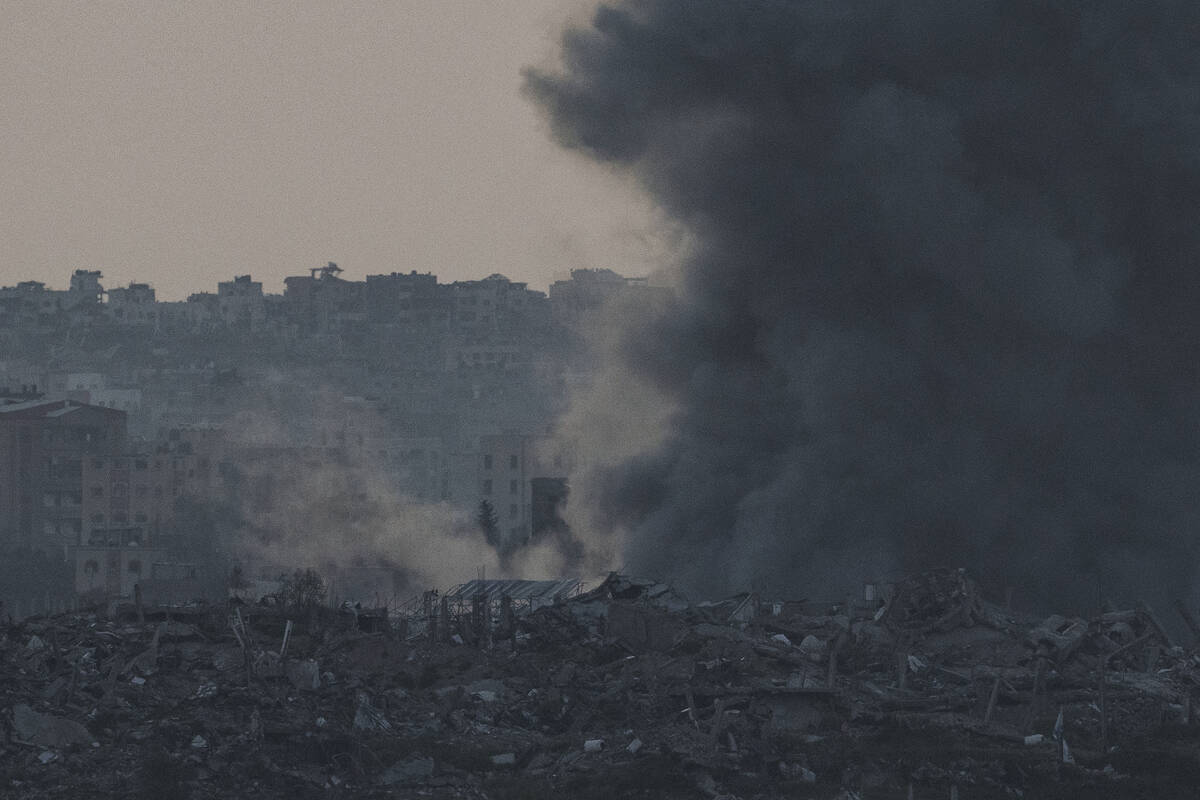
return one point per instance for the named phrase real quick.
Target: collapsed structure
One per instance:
(921, 689)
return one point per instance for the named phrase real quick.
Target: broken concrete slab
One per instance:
(406, 773)
(304, 675)
(48, 730)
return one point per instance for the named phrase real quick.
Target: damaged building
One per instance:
(918, 688)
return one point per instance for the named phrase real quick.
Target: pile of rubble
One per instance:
(628, 690)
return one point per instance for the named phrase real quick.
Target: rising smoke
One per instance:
(941, 302)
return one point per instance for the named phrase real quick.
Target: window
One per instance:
(141, 463)
(97, 519)
(97, 463)
(487, 462)
(91, 567)
(512, 510)
(135, 566)
(512, 462)
(139, 517)
(97, 491)
(487, 486)
(512, 487)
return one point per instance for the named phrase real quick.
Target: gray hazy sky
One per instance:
(184, 143)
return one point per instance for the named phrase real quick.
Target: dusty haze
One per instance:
(940, 308)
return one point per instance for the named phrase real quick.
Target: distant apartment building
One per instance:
(524, 478)
(494, 304)
(240, 303)
(129, 504)
(322, 301)
(404, 299)
(115, 567)
(503, 482)
(591, 289)
(126, 498)
(133, 305)
(31, 299)
(85, 287)
(197, 313)
(43, 445)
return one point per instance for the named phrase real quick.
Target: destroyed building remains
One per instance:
(922, 688)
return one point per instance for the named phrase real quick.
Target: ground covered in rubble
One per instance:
(626, 691)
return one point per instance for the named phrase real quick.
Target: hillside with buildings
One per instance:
(148, 446)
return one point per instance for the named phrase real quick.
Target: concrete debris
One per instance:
(813, 648)
(304, 674)
(924, 690)
(369, 718)
(407, 773)
(47, 730)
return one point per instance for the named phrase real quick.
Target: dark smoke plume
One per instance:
(943, 302)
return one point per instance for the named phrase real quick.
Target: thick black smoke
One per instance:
(944, 301)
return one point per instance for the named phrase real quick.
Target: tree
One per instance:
(301, 590)
(488, 522)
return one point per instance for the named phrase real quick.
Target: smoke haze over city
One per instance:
(939, 303)
(906, 285)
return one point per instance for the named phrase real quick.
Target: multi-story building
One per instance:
(495, 304)
(504, 482)
(113, 567)
(240, 302)
(524, 478)
(401, 298)
(85, 288)
(30, 299)
(126, 498)
(592, 289)
(129, 507)
(321, 302)
(179, 317)
(43, 444)
(133, 305)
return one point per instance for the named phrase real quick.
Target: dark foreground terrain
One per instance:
(625, 691)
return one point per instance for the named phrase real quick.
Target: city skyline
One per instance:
(179, 146)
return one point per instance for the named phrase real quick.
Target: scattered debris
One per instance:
(923, 689)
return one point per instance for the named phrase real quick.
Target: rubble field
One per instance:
(628, 690)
